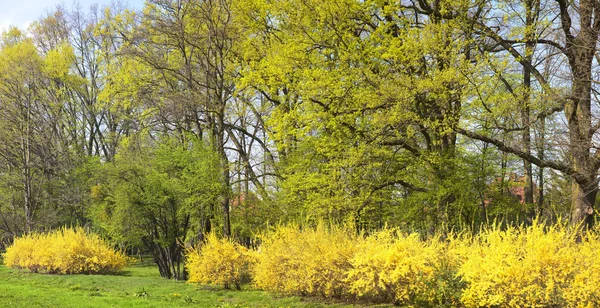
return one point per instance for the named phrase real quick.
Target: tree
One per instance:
(157, 195)
(578, 25)
(34, 157)
(179, 63)
(365, 96)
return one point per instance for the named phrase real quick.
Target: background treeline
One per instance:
(158, 126)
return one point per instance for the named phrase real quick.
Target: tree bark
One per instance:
(582, 207)
(531, 11)
(580, 52)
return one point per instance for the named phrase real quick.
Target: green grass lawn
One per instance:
(139, 286)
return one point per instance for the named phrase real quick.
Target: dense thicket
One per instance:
(161, 125)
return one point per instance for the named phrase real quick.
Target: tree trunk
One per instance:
(542, 144)
(582, 204)
(580, 52)
(531, 11)
(226, 175)
(27, 176)
(578, 113)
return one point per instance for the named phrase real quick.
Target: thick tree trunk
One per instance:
(578, 112)
(582, 203)
(580, 51)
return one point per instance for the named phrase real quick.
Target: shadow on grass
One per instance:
(145, 268)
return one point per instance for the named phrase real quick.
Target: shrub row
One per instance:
(65, 251)
(530, 267)
(534, 266)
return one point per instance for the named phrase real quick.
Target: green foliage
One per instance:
(250, 216)
(35, 173)
(156, 194)
(363, 116)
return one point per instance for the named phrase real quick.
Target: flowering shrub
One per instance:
(218, 261)
(534, 266)
(389, 268)
(306, 261)
(583, 291)
(65, 251)
(520, 267)
(392, 267)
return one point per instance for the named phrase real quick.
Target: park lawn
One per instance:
(138, 286)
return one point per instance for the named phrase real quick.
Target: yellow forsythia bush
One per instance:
(218, 261)
(64, 251)
(520, 267)
(392, 267)
(534, 266)
(310, 261)
(583, 290)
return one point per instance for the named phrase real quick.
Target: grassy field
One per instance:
(139, 286)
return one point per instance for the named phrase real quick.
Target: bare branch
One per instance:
(522, 154)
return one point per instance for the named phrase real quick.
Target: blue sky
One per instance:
(21, 13)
